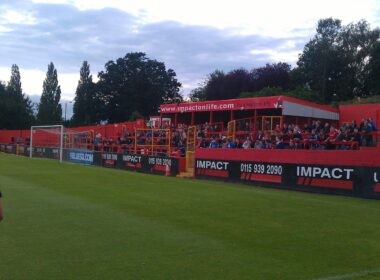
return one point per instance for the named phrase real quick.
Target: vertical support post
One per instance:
(211, 117)
(175, 119)
(61, 146)
(31, 142)
(255, 119)
(135, 141)
(152, 142)
(192, 118)
(232, 115)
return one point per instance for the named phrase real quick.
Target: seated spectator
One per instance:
(213, 144)
(314, 140)
(356, 136)
(279, 143)
(231, 144)
(307, 128)
(258, 145)
(247, 143)
(260, 136)
(292, 145)
(224, 142)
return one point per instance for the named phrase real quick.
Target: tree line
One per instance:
(131, 87)
(339, 63)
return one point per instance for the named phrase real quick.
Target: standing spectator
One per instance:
(372, 123)
(356, 137)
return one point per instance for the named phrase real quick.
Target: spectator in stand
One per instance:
(176, 139)
(285, 128)
(314, 140)
(258, 145)
(224, 143)
(307, 128)
(260, 136)
(98, 138)
(297, 136)
(201, 134)
(279, 143)
(203, 143)
(247, 143)
(368, 136)
(182, 148)
(356, 137)
(340, 137)
(19, 140)
(268, 144)
(330, 138)
(371, 122)
(213, 144)
(231, 144)
(292, 145)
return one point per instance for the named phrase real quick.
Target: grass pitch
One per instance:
(66, 221)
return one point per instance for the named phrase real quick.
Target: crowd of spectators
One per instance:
(316, 135)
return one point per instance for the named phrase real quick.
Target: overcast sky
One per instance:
(192, 37)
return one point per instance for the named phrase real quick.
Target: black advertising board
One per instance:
(356, 181)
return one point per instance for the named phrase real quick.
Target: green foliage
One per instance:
(134, 83)
(333, 63)
(67, 221)
(84, 98)
(15, 108)
(338, 63)
(375, 99)
(219, 85)
(49, 109)
(373, 70)
(299, 92)
(135, 115)
(198, 94)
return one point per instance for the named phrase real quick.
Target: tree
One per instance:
(373, 70)
(84, 105)
(320, 62)
(357, 40)
(271, 75)
(134, 83)
(333, 63)
(219, 85)
(4, 116)
(298, 92)
(17, 111)
(49, 109)
(198, 94)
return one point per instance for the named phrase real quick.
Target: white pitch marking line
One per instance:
(351, 275)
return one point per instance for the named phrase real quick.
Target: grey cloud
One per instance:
(67, 36)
